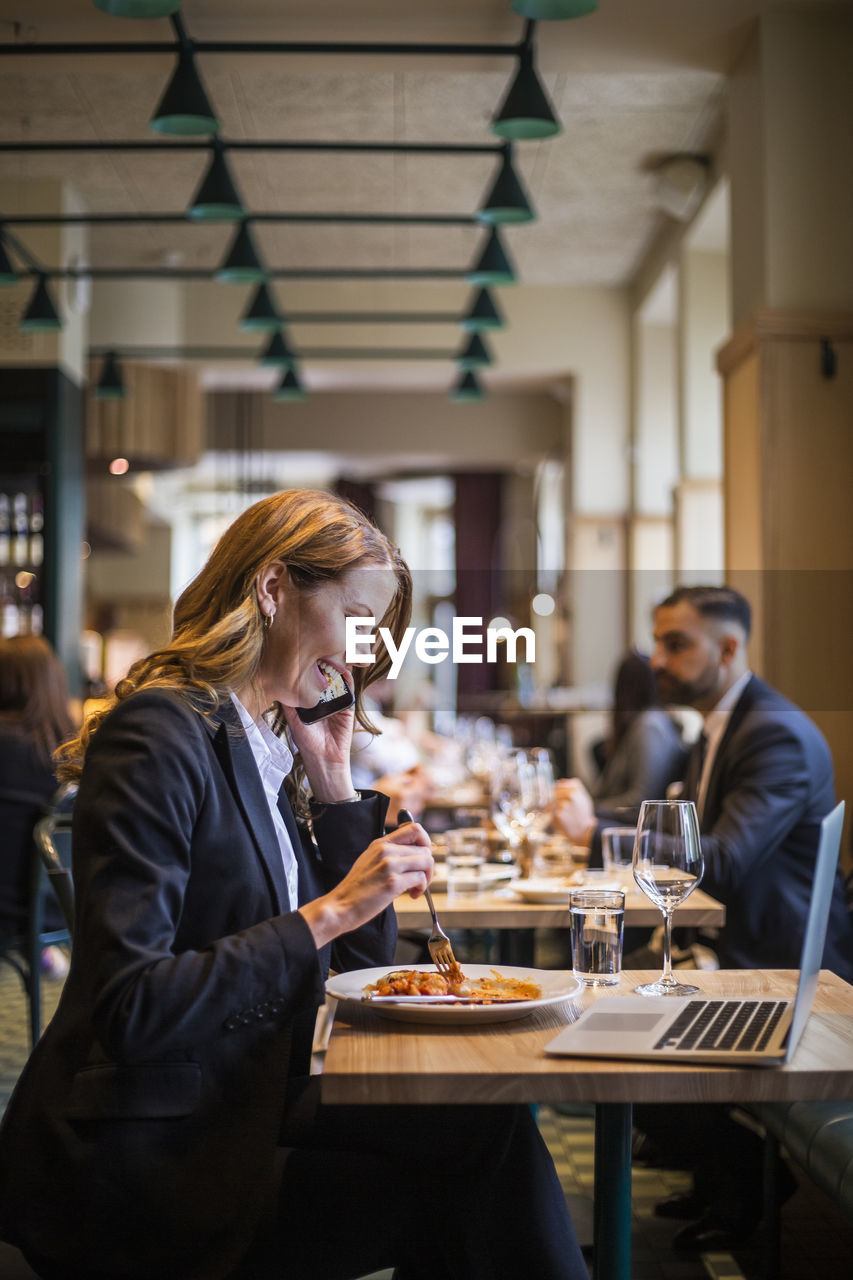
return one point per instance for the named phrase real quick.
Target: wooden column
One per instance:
(788, 404)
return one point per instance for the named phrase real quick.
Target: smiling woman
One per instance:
(167, 1124)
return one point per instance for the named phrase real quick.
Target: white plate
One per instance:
(493, 873)
(557, 985)
(544, 890)
(555, 892)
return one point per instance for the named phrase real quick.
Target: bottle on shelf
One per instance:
(20, 529)
(9, 619)
(36, 530)
(5, 529)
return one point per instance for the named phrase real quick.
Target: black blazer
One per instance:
(771, 783)
(141, 1137)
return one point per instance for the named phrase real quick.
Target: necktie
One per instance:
(694, 767)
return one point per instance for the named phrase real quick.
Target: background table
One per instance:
(496, 910)
(373, 1059)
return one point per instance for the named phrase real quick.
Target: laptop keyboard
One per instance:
(724, 1024)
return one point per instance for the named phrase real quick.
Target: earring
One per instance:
(268, 617)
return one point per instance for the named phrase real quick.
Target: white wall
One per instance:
(137, 313)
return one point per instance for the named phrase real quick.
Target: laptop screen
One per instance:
(821, 901)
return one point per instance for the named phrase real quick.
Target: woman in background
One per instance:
(34, 720)
(644, 752)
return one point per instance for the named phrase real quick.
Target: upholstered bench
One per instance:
(818, 1136)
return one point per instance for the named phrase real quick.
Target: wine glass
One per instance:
(482, 751)
(540, 788)
(512, 798)
(667, 866)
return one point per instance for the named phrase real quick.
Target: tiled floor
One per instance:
(817, 1244)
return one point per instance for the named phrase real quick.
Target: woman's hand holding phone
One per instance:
(323, 736)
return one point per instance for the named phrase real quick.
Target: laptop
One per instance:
(743, 1030)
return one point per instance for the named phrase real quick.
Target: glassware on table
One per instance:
(482, 750)
(540, 788)
(597, 924)
(617, 848)
(467, 851)
(512, 798)
(667, 866)
(555, 858)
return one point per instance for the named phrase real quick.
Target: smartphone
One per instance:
(338, 697)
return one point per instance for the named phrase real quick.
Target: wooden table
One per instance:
(371, 1059)
(496, 910)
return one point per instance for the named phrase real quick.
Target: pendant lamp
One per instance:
(139, 8)
(525, 111)
(468, 388)
(184, 107)
(493, 266)
(261, 315)
(482, 314)
(290, 388)
(111, 383)
(8, 274)
(216, 199)
(474, 354)
(554, 10)
(41, 315)
(242, 264)
(507, 200)
(277, 353)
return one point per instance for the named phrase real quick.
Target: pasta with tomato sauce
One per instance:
(429, 982)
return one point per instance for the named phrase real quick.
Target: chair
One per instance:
(51, 842)
(52, 837)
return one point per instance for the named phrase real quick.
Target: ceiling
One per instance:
(636, 80)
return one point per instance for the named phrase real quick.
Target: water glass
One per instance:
(466, 856)
(597, 923)
(617, 848)
(464, 874)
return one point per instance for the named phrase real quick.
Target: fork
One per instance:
(440, 950)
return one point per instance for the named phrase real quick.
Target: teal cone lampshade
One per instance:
(185, 107)
(111, 383)
(8, 274)
(242, 264)
(507, 200)
(216, 199)
(468, 388)
(261, 316)
(290, 388)
(493, 266)
(41, 315)
(474, 354)
(139, 8)
(554, 10)
(526, 111)
(277, 352)
(482, 314)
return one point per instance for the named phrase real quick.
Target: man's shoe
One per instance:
(686, 1206)
(713, 1235)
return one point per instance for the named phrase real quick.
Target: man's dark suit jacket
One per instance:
(771, 783)
(141, 1137)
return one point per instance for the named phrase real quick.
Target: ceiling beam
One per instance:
(121, 219)
(205, 143)
(226, 48)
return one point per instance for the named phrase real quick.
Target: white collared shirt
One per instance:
(275, 761)
(714, 727)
